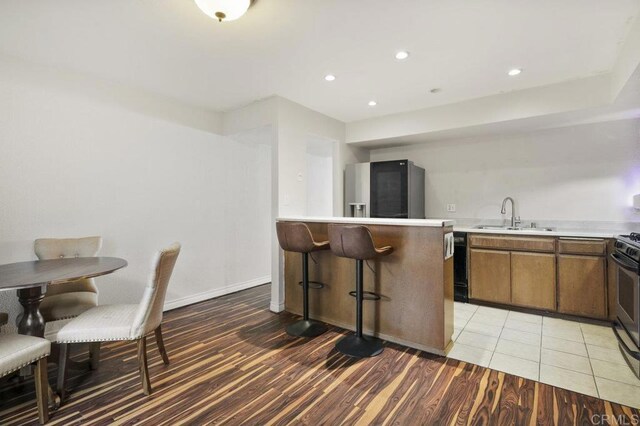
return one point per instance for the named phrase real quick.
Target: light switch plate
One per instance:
(448, 245)
(451, 208)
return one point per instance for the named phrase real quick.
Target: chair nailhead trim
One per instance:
(118, 339)
(4, 373)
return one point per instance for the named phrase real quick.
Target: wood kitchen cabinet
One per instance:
(565, 274)
(582, 285)
(490, 275)
(533, 280)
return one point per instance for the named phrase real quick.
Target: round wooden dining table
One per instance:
(31, 279)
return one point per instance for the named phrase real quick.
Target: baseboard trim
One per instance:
(217, 292)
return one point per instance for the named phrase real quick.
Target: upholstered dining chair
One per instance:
(17, 351)
(124, 322)
(68, 300)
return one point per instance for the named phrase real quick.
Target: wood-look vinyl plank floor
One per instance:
(233, 364)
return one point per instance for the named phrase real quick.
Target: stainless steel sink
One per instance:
(512, 228)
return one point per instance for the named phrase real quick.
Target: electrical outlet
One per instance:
(451, 208)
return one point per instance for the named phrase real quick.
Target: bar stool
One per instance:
(356, 242)
(296, 237)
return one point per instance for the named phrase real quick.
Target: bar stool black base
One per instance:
(360, 347)
(304, 328)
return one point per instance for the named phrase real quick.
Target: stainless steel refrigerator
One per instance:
(385, 189)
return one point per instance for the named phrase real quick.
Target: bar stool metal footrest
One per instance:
(366, 295)
(313, 284)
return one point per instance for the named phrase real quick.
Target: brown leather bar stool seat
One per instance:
(356, 242)
(297, 237)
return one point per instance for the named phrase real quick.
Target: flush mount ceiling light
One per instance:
(329, 77)
(372, 103)
(402, 55)
(514, 72)
(224, 10)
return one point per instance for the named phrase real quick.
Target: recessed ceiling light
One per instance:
(514, 71)
(329, 77)
(373, 103)
(435, 90)
(401, 55)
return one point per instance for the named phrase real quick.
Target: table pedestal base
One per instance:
(31, 322)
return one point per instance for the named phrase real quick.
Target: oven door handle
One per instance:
(624, 263)
(634, 354)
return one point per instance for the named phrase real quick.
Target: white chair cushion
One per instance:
(17, 351)
(100, 324)
(51, 329)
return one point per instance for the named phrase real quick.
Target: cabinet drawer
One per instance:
(547, 245)
(595, 247)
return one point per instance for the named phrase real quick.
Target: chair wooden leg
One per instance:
(42, 390)
(55, 352)
(94, 355)
(144, 368)
(63, 359)
(160, 343)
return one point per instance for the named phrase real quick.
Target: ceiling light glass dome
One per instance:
(224, 10)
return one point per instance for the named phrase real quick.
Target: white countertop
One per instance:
(564, 229)
(576, 233)
(371, 221)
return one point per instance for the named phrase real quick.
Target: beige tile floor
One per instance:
(577, 356)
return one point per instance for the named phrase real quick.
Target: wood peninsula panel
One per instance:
(597, 247)
(500, 242)
(582, 286)
(490, 275)
(533, 280)
(415, 283)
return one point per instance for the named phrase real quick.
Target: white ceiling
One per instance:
(285, 47)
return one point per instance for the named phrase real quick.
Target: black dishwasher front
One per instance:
(460, 276)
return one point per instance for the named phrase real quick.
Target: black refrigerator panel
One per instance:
(390, 189)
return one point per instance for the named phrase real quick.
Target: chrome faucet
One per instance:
(515, 221)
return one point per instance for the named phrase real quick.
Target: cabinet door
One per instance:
(582, 286)
(490, 275)
(533, 280)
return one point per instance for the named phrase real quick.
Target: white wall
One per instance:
(579, 173)
(293, 125)
(73, 164)
(319, 155)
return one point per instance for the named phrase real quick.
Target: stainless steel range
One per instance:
(627, 326)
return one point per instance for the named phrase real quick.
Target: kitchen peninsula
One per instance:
(415, 282)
